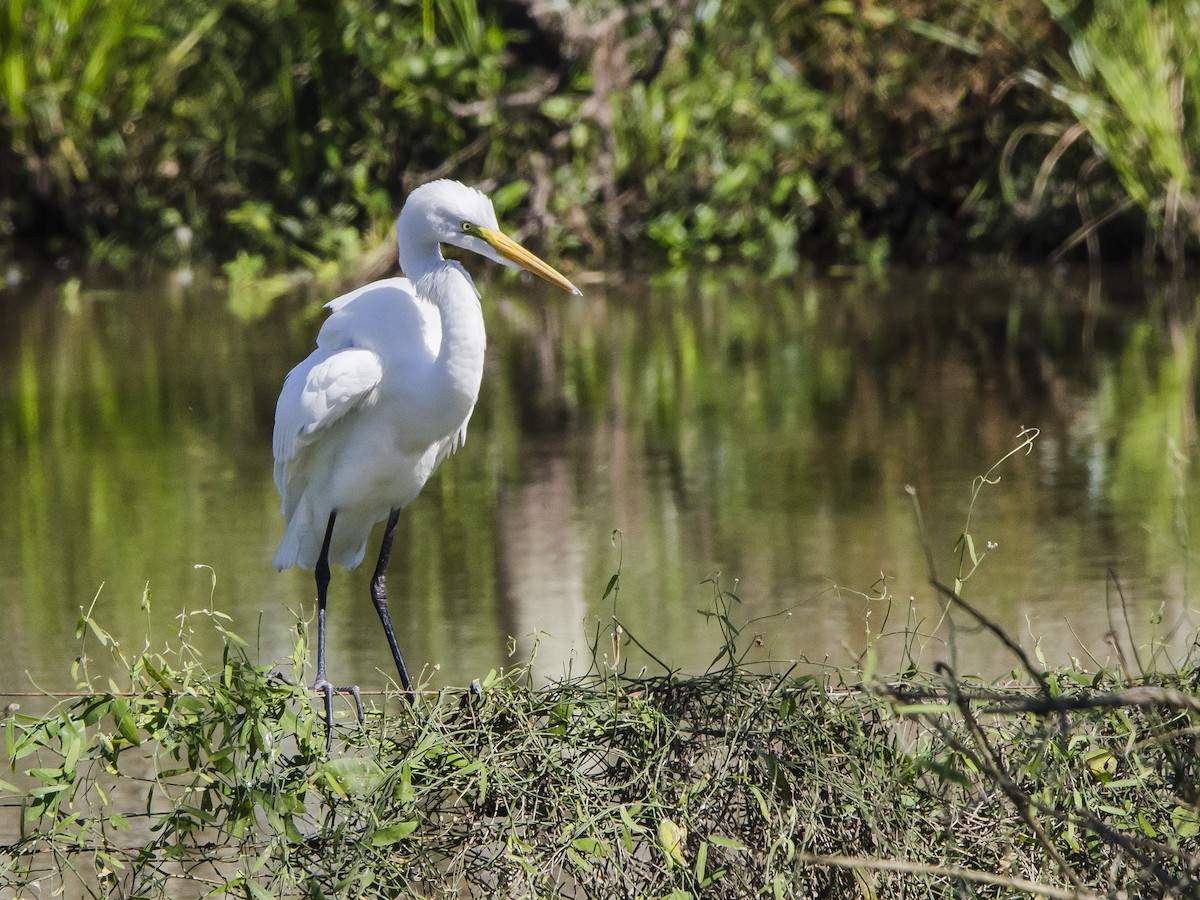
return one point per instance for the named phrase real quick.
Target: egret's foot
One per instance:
(329, 690)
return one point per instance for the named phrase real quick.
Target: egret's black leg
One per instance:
(379, 598)
(321, 573)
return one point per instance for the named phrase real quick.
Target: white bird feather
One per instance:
(385, 397)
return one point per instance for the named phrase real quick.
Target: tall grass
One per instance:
(1130, 79)
(261, 125)
(78, 78)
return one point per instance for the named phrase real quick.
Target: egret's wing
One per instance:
(318, 393)
(385, 316)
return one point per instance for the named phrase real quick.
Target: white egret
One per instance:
(364, 421)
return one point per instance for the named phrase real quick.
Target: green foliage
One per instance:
(721, 130)
(265, 124)
(214, 774)
(1128, 79)
(969, 558)
(214, 751)
(731, 129)
(817, 126)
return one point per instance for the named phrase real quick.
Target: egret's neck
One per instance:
(460, 356)
(420, 253)
(447, 285)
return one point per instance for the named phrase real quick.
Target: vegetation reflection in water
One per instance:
(763, 431)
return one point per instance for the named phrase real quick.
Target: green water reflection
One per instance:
(765, 431)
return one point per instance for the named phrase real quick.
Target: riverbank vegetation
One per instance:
(753, 778)
(722, 129)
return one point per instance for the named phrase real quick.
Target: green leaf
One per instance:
(944, 770)
(110, 860)
(95, 709)
(580, 862)
(911, 709)
(590, 846)
(763, 806)
(74, 740)
(945, 36)
(560, 109)
(506, 197)
(393, 834)
(1186, 821)
(352, 776)
(672, 837)
(1101, 764)
(156, 675)
(124, 721)
(612, 583)
(866, 886)
(48, 790)
(101, 635)
(635, 828)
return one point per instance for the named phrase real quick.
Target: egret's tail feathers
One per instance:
(301, 546)
(350, 556)
(288, 553)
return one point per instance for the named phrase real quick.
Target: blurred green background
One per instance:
(856, 131)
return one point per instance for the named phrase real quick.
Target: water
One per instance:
(762, 431)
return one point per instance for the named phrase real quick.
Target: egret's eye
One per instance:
(467, 227)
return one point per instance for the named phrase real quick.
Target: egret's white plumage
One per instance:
(364, 421)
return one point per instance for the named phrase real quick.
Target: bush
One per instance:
(734, 129)
(731, 782)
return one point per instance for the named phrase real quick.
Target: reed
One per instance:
(1130, 81)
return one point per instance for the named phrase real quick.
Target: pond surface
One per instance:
(763, 431)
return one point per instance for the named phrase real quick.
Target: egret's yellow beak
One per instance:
(514, 252)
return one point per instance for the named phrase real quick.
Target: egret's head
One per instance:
(447, 212)
(439, 209)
